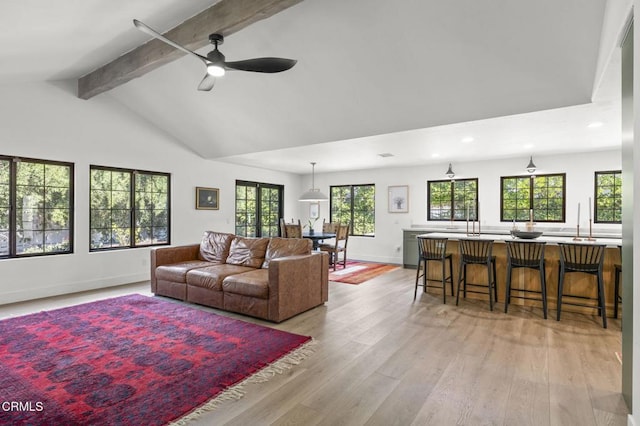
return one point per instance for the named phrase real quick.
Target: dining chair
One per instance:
(339, 246)
(290, 230)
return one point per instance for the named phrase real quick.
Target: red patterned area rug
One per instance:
(359, 272)
(132, 360)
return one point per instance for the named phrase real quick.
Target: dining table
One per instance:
(316, 237)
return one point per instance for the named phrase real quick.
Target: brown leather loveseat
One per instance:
(269, 278)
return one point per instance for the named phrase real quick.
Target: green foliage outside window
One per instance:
(43, 212)
(4, 207)
(128, 208)
(451, 199)
(258, 209)
(608, 199)
(545, 194)
(354, 204)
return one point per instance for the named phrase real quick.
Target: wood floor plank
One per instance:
(382, 358)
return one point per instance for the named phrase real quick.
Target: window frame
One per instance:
(472, 214)
(259, 210)
(617, 194)
(531, 179)
(12, 242)
(132, 207)
(351, 207)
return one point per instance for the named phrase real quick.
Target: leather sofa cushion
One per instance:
(177, 272)
(254, 283)
(281, 247)
(214, 246)
(211, 277)
(247, 251)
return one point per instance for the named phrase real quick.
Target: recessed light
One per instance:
(467, 139)
(436, 155)
(527, 146)
(595, 124)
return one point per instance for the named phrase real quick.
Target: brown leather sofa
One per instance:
(269, 278)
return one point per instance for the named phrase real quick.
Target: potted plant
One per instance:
(311, 223)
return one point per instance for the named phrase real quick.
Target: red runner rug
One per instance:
(359, 272)
(131, 360)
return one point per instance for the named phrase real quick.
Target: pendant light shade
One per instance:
(531, 167)
(450, 173)
(314, 193)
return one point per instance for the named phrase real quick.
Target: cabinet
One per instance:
(410, 248)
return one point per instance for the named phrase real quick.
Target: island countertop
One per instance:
(549, 239)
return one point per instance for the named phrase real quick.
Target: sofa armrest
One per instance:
(297, 283)
(168, 255)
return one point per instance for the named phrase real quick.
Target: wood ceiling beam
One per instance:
(225, 17)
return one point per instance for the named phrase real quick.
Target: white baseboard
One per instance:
(630, 421)
(58, 290)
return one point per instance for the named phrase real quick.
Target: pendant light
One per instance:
(531, 167)
(450, 173)
(314, 193)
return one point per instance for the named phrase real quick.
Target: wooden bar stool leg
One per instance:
(507, 295)
(451, 275)
(495, 280)
(616, 293)
(415, 291)
(444, 283)
(461, 272)
(603, 308)
(489, 284)
(560, 284)
(543, 287)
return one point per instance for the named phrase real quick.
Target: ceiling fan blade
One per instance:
(207, 83)
(269, 65)
(147, 29)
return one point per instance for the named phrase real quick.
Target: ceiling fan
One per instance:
(215, 60)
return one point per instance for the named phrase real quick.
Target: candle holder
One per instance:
(577, 237)
(590, 238)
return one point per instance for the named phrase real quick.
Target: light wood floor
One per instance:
(383, 359)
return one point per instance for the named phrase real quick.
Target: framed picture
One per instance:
(314, 210)
(207, 198)
(399, 199)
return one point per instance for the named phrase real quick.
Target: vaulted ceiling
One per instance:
(411, 78)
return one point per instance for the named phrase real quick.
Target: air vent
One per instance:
(386, 155)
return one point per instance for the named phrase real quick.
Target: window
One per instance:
(544, 194)
(356, 205)
(36, 207)
(259, 207)
(128, 208)
(452, 199)
(608, 190)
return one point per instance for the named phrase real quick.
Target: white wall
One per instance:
(579, 169)
(47, 121)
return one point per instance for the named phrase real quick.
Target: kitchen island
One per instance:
(580, 284)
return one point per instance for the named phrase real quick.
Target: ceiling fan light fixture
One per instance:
(215, 70)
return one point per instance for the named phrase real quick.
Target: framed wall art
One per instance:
(207, 198)
(314, 210)
(399, 199)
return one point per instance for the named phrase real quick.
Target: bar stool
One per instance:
(477, 252)
(587, 259)
(530, 255)
(433, 249)
(616, 288)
